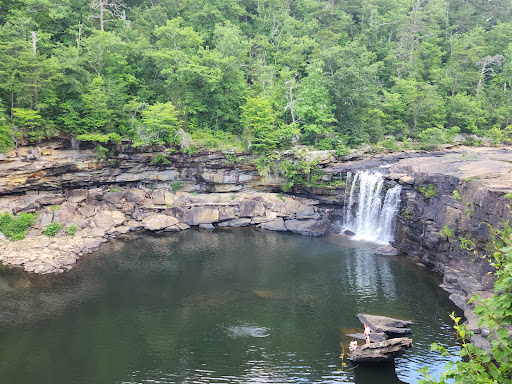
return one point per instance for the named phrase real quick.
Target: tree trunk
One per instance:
(34, 42)
(101, 15)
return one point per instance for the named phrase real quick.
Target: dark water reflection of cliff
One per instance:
(222, 306)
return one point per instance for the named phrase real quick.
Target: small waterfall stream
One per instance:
(373, 218)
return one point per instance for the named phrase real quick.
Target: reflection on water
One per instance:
(223, 306)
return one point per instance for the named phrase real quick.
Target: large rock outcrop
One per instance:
(380, 353)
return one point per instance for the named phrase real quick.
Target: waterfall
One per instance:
(373, 218)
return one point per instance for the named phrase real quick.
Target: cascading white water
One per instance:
(373, 219)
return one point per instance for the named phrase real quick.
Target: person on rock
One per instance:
(366, 333)
(353, 345)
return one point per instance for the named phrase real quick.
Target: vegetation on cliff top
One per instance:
(264, 73)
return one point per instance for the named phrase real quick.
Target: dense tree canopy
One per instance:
(319, 72)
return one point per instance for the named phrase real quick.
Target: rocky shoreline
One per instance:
(104, 213)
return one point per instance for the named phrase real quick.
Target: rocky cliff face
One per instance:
(55, 166)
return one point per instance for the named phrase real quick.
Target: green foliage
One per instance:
(176, 186)
(159, 124)
(54, 208)
(429, 191)
(467, 244)
(30, 123)
(456, 195)
(102, 138)
(431, 138)
(160, 159)
(15, 227)
(115, 190)
(508, 196)
(258, 124)
(269, 73)
(71, 230)
(52, 229)
(446, 232)
(101, 152)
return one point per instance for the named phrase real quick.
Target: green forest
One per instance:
(255, 74)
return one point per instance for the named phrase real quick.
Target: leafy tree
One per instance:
(159, 124)
(466, 112)
(412, 107)
(29, 123)
(314, 109)
(97, 114)
(258, 123)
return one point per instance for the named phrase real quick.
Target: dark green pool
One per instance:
(222, 306)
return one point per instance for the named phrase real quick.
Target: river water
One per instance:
(221, 306)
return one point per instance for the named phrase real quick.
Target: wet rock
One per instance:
(348, 233)
(386, 250)
(381, 352)
(206, 226)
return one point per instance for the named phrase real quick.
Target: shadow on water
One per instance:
(376, 374)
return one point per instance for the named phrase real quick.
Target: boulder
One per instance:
(118, 217)
(65, 213)
(251, 208)
(135, 195)
(348, 232)
(306, 212)
(202, 215)
(46, 218)
(158, 222)
(103, 219)
(158, 197)
(386, 250)
(391, 327)
(114, 197)
(226, 213)
(382, 352)
(274, 225)
(309, 227)
(78, 195)
(182, 214)
(206, 226)
(168, 198)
